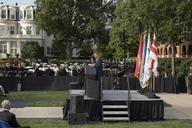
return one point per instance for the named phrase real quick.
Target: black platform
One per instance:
(142, 108)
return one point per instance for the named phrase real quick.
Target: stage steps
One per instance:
(115, 111)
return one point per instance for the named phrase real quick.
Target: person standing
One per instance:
(98, 66)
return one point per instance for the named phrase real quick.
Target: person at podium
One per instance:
(98, 65)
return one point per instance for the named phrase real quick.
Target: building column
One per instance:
(163, 51)
(22, 14)
(8, 47)
(177, 54)
(33, 31)
(7, 12)
(19, 48)
(32, 16)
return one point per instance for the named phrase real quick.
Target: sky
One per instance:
(20, 2)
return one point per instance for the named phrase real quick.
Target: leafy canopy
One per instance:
(72, 22)
(171, 19)
(31, 50)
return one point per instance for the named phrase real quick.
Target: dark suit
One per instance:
(8, 117)
(49, 72)
(99, 68)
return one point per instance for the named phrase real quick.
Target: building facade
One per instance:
(17, 26)
(181, 50)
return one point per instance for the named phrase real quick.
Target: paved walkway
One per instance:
(38, 112)
(181, 105)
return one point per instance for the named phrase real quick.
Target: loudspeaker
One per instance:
(92, 89)
(76, 104)
(77, 118)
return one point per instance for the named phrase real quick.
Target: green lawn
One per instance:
(59, 123)
(42, 98)
(38, 95)
(38, 98)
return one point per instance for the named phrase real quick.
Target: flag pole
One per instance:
(153, 87)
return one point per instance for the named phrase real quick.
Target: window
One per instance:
(8, 13)
(34, 14)
(3, 14)
(13, 15)
(3, 48)
(12, 30)
(28, 30)
(29, 14)
(13, 48)
(13, 44)
(24, 14)
(3, 30)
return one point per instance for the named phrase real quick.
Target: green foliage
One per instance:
(182, 65)
(54, 61)
(107, 53)
(86, 51)
(32, 50)
(169, 18)
(59, 49)
(183, 69)
(26, 62)
(125, 20)
(72, 22)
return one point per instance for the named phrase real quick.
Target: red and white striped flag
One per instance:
(153, 56)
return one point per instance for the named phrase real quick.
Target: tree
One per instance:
(31, 50)
(86, 51)
(124, 21)
(166, 17)
(72, 22)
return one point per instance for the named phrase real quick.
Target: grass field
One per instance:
(57, 98)
(38, 98)
(42, 98)
(59, 123)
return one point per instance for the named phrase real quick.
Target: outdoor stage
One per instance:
(141, 107)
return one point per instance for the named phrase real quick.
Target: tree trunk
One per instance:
(68, 51)
(173, 59)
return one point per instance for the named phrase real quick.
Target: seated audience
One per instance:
(9, 117)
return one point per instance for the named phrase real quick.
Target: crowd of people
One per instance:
(110, 67)
(41, 69)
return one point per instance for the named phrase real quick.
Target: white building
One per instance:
(17, 26)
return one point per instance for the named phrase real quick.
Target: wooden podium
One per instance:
(90, 72)
(92, 85)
